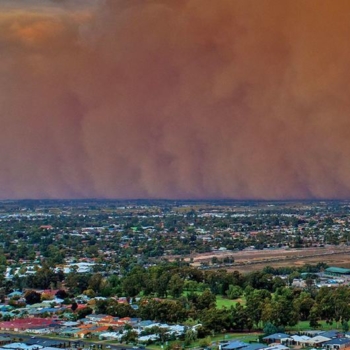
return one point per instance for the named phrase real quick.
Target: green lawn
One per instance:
(186, 292)
(305, 325)
(225, 302)
(222, 301)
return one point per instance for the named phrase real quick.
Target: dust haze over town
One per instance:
(174, 174)
(174, 99)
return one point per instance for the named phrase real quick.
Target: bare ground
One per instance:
(246, 261)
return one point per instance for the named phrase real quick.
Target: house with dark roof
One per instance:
(332, 334)
(5, 340)
(48, 343)
(255, 346)
(234, 345)
(277, 338)
(337, 343)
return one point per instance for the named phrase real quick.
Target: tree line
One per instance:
(176, 293)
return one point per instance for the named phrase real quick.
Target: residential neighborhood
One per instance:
(171, 274)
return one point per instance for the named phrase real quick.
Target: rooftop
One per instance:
(333, 269)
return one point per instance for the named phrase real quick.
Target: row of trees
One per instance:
(163, 280)
(191, 294)
(285, 307)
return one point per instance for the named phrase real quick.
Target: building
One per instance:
(337, 271)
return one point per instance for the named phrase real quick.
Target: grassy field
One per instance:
(225, 302)
(305, 325)
(221, 301)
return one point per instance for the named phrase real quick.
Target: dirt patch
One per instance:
(246, 261)
(339, 260)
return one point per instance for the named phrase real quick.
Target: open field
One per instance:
(337, 259)
(305, 325)
(225, 302)
(251, 260)
(222, 301)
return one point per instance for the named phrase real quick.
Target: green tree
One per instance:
(281, 310)
(120, 309)
(190, 336)
(130, 336)
(82, 313)
(95, 282)
(217, 320)
(32, 297)
(132, 284)
(304, 304)
(77, 282)
(240, 318)
(176, 285)
(206, 300)
(255, 303)
(270, 328)
(234, 292)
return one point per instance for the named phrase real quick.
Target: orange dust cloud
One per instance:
(176, 99)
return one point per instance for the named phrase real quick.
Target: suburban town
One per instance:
(174, 175)
(174, 274)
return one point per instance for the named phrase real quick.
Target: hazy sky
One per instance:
(175, 99)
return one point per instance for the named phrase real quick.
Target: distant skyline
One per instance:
(175, 99)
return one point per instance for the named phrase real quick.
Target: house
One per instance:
(22, 346)
(337, 343)
(146, 323)
(233, 345)
(16, 293)
(110, 336)
(277, 338)
(337, 271)
(69, 331)
(95, 318)
(26, 324)
(5, 340)
(40, 330)
(332, 334)
(70, 323)
(277, 347)
(300, 340)
(318, 340)
(85, 333)
(255, 346)
(146, 338)
(237, 344)
(48, 343)
(313, 333)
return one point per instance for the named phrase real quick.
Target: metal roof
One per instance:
(337, 270)
(277, 336)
